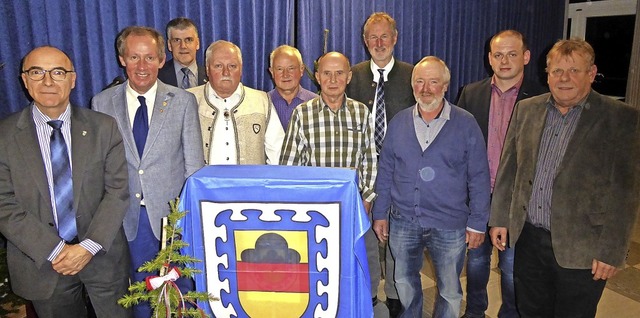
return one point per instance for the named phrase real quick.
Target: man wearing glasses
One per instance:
(63, 195)
(182, 41)
(384, 85)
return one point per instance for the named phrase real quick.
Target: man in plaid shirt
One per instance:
(335, 131)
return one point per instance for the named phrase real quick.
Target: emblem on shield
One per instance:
(273, 259)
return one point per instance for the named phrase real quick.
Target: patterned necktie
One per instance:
(141, 125)
(380, 123)
(185, 79)
(62, 183)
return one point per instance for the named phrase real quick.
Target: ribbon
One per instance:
(154, 282)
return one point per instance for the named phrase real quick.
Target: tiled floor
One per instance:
(621, 298)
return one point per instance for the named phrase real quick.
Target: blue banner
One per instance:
(278, 241)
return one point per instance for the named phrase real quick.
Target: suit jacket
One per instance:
(172, 152)
(167, 74)
(476, 98)
(100, 198)
(595, 192)
(398, 93)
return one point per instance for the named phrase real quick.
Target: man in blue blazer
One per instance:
(49, 262)
(491, 101)
(183, 42)
(170, 152)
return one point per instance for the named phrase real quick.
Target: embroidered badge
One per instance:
(256, 128)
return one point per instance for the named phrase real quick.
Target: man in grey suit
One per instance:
(567, 188)
(380, 36)
(182, 41)
(63, 195)
(491, 101)
(159, 160)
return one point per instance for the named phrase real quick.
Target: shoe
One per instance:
(395, 307)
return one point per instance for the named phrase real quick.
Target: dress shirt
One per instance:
(426, 132)
(500, 110)
(223, 145)
(556, 134)
(319, 136)
(133, 103)
(376, 78)
(193, 77)
(284, 109)
(43, 131)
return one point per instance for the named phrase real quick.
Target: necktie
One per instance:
(62, 183)
(380, 123)
(141, 125)
(185, 78)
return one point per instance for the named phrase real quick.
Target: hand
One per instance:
(473, 239)
(71, 259)
(367, 206)
(499, 237)
(381, 228)
(602, 270)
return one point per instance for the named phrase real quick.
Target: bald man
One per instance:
(63, 195)
(320, 128)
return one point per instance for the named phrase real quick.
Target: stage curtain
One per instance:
(455, 30)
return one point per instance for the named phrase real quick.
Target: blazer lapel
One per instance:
(119, 104)
(588, 118)
(80, 144)
(160, 110)
(26, 140)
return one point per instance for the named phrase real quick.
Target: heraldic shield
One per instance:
(275, 251)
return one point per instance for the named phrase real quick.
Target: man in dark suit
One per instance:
(567, 188)
(491, 101)
(182, 42)
(63, 196)
(380, 36)
(159, 160)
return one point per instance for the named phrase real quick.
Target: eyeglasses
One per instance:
(37, 73)
(383, 38)
(558, 72)
(178, 41)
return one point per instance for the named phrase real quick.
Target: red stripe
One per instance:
(293, 278)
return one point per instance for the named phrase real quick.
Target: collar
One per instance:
(516, 86)
(324, 106)
(445, 112)
(148, 95)
(236, 94)
(551, 102)
(178, 67)
(41, 119)
(387, 68)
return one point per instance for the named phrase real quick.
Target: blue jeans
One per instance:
(407, 240)
(478, 267)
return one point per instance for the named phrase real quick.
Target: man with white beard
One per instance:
(433, 179)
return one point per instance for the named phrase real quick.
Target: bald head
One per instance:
(50, 93)
(333, 74)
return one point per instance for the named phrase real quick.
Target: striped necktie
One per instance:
(62, 183)
(185, 79)
(380, 122)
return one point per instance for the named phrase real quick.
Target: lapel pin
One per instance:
(84, 132)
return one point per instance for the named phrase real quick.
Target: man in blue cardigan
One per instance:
(433, 177)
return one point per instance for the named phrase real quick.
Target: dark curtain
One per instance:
(454, 30)
(87, 29)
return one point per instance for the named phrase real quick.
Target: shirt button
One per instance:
(227, 143)
(138, 195)
(140, 171)
(227, 158)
